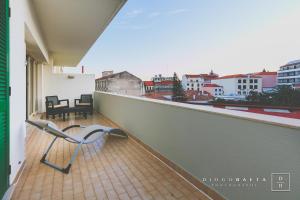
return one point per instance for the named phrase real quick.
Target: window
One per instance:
(255, 87)
(187, 84)
(216, 90)
(239, 87)
(251, 80)
(244, 87)
(197, 81)
(220, 90)
(239, 81)
(255, 80)
(192, 85)
(239, 93)
(244, 92)
(244, 81)
(251, 86)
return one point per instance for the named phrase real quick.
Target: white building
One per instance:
(192, 82)
(289, 74)
(196, 81)
(239, 84)
(120, 83)
(213, 89)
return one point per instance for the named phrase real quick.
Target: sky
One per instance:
(197, 36)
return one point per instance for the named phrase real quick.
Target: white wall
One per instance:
(229, 85)
(212, 142)
(59, 84)
(18, 87)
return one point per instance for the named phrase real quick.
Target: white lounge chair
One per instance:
(86, 135)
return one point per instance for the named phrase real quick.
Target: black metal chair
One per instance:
(86, 100)
(54, 106)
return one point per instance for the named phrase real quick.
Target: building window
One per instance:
(255, 80)
(244, 87)
(216, 90)
(192, 85)
(197, 81)
(244, 81)
(239, 87)
(239, 81)
(187, 84)
(220, 90)
(251, 80)
(255, 87)
(239, 93)
(251, 86)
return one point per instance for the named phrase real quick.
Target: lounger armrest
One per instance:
(76, 101)
(49, 103)
(73, 126)
(66, 100)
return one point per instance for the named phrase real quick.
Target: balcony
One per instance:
(116, 169)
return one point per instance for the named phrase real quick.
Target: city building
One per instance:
(160, 78)
(213, 89)
(289, 74)
(120, 83)
(269, 80)
(239, 84)
(192, 82)
(196, 81)
(163, 86)
(149, 86)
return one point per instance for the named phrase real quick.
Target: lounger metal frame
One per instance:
(69, 138)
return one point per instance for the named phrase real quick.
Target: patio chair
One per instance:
(54, 105)
(86, 100)
(86, 135)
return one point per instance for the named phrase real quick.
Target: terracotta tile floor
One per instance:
(114, 168)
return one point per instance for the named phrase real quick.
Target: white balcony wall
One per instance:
(211, 142)
(65, 87)
(18, 87)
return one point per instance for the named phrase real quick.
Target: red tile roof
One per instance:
(164, 83)
(238, 76)
(266, 73)
(148, 83)
(205, 76)
(193, 75)
(211, 85)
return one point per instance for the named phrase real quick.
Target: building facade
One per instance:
(149, 86)
(160, 78)
(120, 83)
(213, 89)
(196, 81)
(269, 80)
(239, 84)
(289, 74)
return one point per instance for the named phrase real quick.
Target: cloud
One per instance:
(177, 11)
(134, 13)
(154, 14)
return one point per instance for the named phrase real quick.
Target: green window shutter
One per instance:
(4, 97)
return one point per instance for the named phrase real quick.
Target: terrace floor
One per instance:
(114, 168)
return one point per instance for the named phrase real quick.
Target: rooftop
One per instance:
(211, 85)
(111, 169)
(237, 76)
(266, 73)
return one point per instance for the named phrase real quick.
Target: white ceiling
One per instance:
(70, 27)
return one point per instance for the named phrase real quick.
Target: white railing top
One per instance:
(268, 119)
